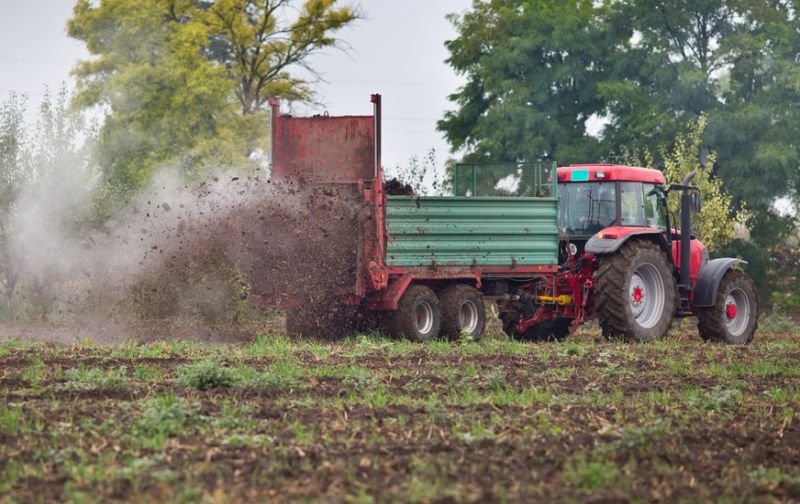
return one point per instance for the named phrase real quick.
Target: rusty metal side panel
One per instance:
(324, 149)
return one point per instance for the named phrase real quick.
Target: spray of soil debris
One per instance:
(213, 256)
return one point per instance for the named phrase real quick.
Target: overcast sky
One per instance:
(397, 50)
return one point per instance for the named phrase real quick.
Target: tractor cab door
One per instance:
(643, 205)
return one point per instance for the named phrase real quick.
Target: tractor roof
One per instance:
(600, 172)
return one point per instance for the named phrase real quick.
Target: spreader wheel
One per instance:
(734, 317)
(634, 292)
(417, 316)
(463, 312)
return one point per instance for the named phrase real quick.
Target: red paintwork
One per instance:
(613, 172)
(323, 148)
(390, 297)
(401, 278)
(730, 311)
(696, 249)
(617, 232)
(573, 278)
(637, 295)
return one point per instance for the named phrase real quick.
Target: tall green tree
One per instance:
(532, 70)
(646, 68)
(184, 82)
(736, 61)
(666, 73)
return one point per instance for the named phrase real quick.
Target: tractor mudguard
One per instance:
(599, 246)
(705, 290)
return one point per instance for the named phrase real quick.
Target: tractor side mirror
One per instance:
(695, 201)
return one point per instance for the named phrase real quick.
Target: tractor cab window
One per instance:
(655, 206)
(642, 205)
(586, 208)
(631, 204)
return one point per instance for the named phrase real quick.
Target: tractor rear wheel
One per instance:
(463, 312)
(634, 292)
(734, 317)
(417, 317)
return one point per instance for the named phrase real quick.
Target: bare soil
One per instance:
(379, 420)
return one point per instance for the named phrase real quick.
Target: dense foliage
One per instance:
(631, 81)
(542, 75)
(184, 83)
(716, 222)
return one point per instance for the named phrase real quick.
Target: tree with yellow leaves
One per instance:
(715, 223)
(184, 83)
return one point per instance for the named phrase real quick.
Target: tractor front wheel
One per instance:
(734, 317)
(634, 292)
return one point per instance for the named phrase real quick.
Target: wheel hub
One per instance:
(730, 311)
(468, 317)
(637, 295)
(423, 317)
(646, 295)
(737, 311)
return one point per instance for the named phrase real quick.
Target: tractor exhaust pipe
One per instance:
(686, 231)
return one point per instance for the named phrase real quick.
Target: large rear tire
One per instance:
(635, 292)
(417, 317)
(463, 312)
(734, 317)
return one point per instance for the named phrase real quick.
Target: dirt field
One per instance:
(376, 420)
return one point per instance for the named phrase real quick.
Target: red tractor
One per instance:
(623, 260)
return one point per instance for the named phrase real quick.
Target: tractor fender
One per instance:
(705, 290)
(599, 246)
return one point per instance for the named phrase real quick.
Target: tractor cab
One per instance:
(611, 198)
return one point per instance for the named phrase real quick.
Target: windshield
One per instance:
(586, 208)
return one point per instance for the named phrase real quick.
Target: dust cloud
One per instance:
(211, 260)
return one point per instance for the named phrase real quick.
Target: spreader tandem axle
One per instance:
(553, 246)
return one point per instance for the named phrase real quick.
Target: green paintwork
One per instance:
(460, 231)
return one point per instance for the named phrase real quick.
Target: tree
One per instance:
(734, 60)
(665, 74)
(257, 50)
(12, 175)
(45, 179)
(532, 70)
(183, 82)
(715, 223)
(648, 68)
